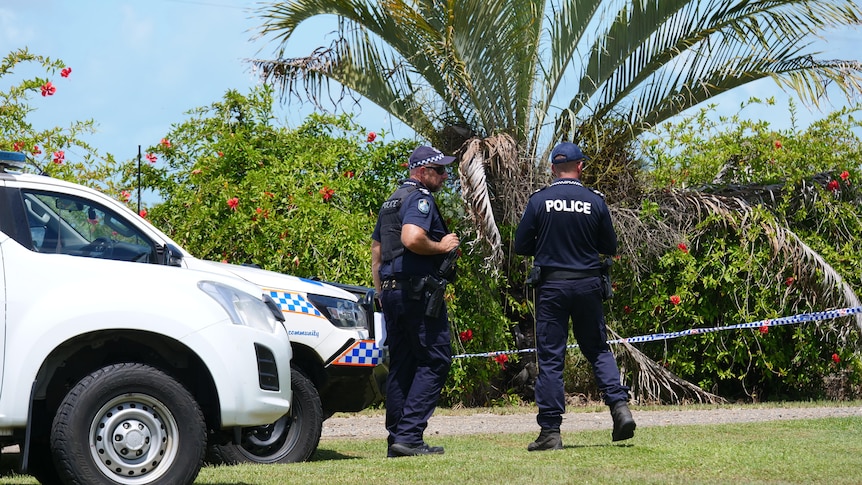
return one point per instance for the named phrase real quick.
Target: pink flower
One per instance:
(466, 335)
(764, 330)
(17, 146)
(59, 156)
(232, 203)
(165, 143)
(36, 150)
(682, 247)
(675, 299)
(836, 358)
(845, 175)
(143, 213)
(789, 281)
(777, 144)
(48, 89)
(371, 136)
(66, 71)
(832, 185)
(125, 196)
(151, 157)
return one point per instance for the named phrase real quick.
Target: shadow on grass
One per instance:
(326, 455)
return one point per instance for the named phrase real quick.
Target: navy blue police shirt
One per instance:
(420, 209)
(566, 226)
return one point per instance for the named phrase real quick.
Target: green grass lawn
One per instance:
(827, 451)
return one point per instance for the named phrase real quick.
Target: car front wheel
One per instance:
(291, 439)
(128, 424)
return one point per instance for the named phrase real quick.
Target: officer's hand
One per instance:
(449, 242)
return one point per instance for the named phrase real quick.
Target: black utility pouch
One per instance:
(534, 277)
(417, 287)
(607, 286)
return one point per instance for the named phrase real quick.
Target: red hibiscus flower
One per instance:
(789, 281)
(165, 143)
(143, 213)
(466, 335)
(682, 247)
(349, 174)
(59, 156)
(764, 330)
(17, 146)
(232, 203)
(502, 359)
(845, 175)
(221, 154)
(66, 71)
(151, 157)
(627, 309)
(777, 144)
(832, 185)
(48, 89)
(836, 358)
(37, 150)
(327, 193)
(125, 196)
(675, 299)
(372, 136)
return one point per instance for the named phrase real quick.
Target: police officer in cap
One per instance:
(408, 244)
(566, 226)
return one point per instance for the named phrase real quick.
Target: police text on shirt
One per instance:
(558, 205)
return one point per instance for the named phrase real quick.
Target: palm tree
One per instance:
(499, 82)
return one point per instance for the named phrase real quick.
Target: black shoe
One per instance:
(549, 439)
(624, 424)
(403, 449)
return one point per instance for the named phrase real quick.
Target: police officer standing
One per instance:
(408, 245)
(566, 226)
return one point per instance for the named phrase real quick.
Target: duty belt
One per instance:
(392, 285)
(562, 274)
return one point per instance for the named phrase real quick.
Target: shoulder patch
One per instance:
(424, 206)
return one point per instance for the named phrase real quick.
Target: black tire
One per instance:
(128, 424)
(291, 439)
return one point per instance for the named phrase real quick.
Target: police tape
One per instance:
(769, 322)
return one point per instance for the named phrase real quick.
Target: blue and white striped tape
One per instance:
(770, 322)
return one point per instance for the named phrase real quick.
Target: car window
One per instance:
(61, 223)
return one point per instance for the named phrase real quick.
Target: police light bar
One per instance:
(14, 160)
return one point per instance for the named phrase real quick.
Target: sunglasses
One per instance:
(440, 170)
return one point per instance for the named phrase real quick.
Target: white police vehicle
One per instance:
(337, 363)
(121, 374)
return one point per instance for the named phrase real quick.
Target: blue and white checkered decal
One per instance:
(294, 303)
(363, 352)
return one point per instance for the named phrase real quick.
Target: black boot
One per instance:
(549, 439)
(624, 424)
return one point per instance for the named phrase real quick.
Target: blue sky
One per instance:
(139, 65)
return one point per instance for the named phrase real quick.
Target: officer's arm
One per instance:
(416, 240)
(376, 259)
(525, 235)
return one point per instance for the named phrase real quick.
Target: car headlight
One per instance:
(342, 313)
(243, 308)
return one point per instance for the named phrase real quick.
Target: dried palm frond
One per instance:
(655, 384)
(492, 187)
